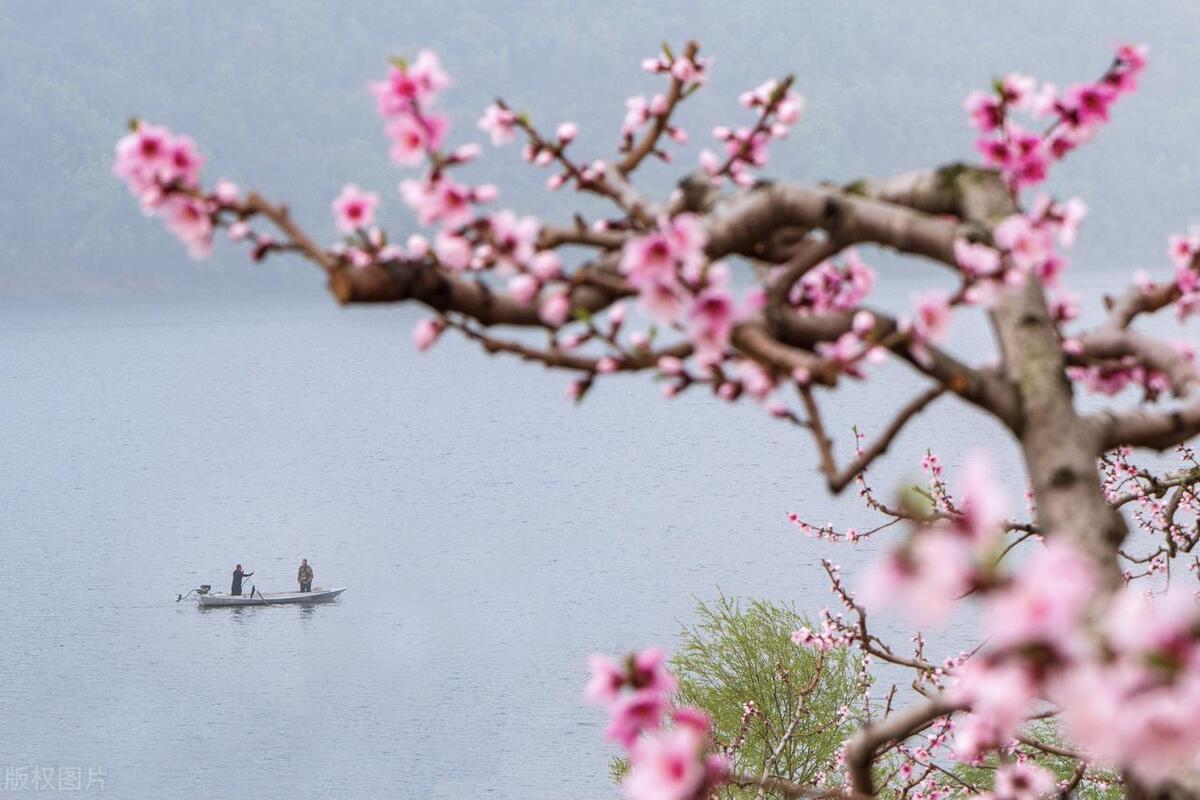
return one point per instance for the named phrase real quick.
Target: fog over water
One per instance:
(491, 533)
(162, 420)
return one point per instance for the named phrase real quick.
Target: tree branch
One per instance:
(863, 746)
(840, 479)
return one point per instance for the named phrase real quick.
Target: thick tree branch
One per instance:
(863, 746)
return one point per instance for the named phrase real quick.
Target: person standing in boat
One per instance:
(305, 576)
(236, 590)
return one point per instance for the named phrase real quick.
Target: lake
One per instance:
(491, 533)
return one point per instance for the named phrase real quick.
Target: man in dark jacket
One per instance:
(304, 576)
(237, 580)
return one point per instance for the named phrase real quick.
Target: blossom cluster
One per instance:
(687, 72)
(1129, 693)
(162, 170)
(1072, 116)
(746, 149)
(1183, 250)
(666, 761)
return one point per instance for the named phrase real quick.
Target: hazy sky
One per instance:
(275, 94)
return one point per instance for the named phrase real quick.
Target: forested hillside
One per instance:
(275, 94)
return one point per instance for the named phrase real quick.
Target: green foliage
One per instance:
(738, 653)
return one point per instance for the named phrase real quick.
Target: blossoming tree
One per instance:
(1071, 638)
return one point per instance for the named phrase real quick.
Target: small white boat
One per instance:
(257, 598)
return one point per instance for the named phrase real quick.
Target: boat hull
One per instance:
(268, 598)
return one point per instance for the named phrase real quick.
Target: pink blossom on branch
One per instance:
(426, 333)
(162, 170)
(415, 138)
(498, 123)
(1025, 157)
(354, 209)
(407, 84)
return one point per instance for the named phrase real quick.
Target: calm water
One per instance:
(492, 535)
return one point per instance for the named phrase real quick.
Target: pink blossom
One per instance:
(606, 681)
(710, 323)
(980, 502)
(417, 246)
(863, 324)
(1151, 728)
(1086, 104)
(649, 670)
(151, 159)
(1017, 89)
(141, 153)
(1182, 250)
(790, 108)
(984, 110)
(827, 288)
(567, 132)
(226, 192)
(1043, 102)
(524, 288)
(183, 161)
(670, 366)
(189, 219)
(757, 382)
(499, 123)
(633, 713)
(514, 238)
(693, 718)
(409, 84)
(924, 580)
(1163, 629)
(1024, 781)
(442, 201)
(999, 694)
(977, 260)
(667, 766)
(662, 300)
(545, 265)
(427, 332)
(555, 309)
(710, 162)
(1044, 602)
(1064, 306)
(354, 209)
(452, 251)
(1072, 213)
(413, 137)
(846, 352)
(932, 321)
(637, 114)
(686, 235)
(1028, 245)
(648, 259)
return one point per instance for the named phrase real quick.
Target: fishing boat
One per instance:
(206, 599)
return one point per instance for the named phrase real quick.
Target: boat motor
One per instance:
(204, 588)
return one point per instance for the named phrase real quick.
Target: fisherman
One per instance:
(236, 591)
(305, 576)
